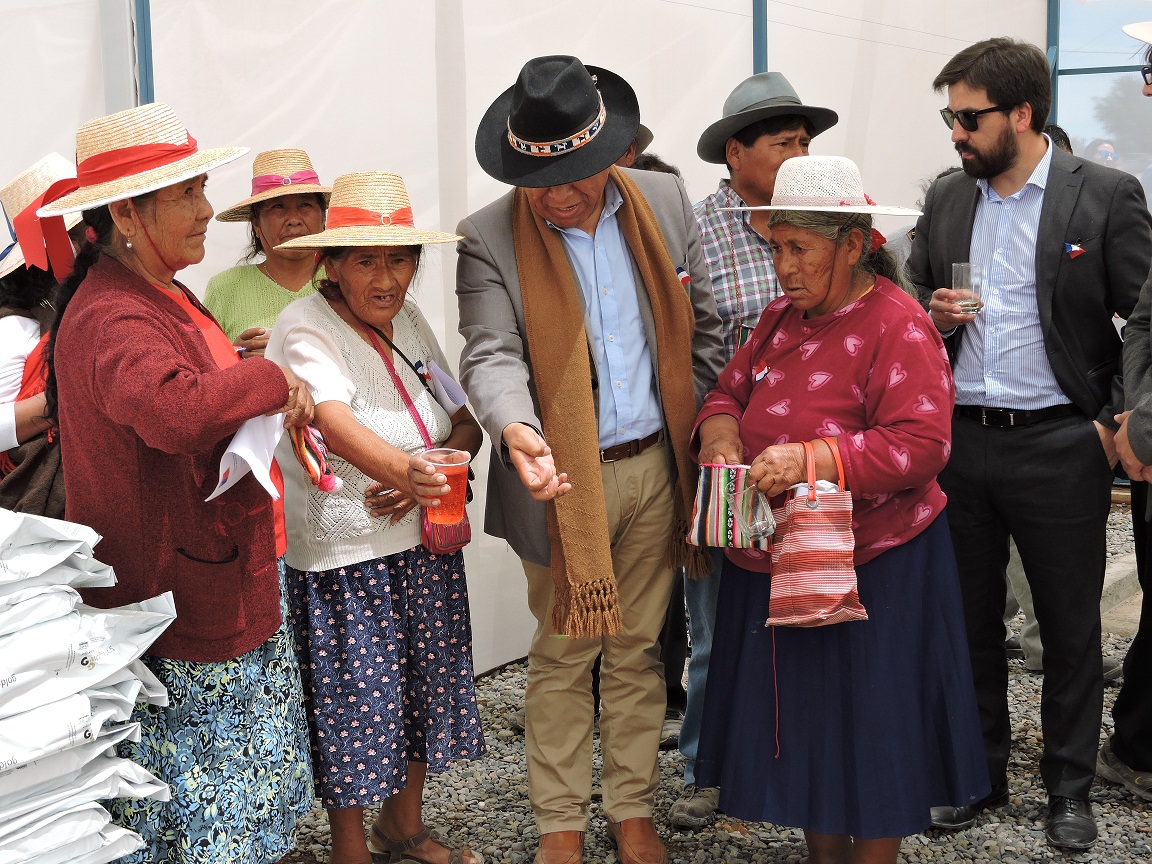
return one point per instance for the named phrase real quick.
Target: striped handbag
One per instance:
(813, 580)
(714, 518)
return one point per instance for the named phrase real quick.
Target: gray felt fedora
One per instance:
(767, 94)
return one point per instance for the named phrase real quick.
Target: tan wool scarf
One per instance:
(586, 598)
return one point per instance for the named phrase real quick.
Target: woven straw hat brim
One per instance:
(146, 181)
(369, 235)
(714, 139)
(1141, 30)
(501, 161)
(15, 258)
(242, 212)
(874, 209)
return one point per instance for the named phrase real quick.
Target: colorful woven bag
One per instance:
(813, 578)
(714, 521)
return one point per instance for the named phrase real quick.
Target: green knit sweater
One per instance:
(244, 297)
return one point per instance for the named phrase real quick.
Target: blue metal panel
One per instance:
(144, 75)
(759, 36)
(1054, 54)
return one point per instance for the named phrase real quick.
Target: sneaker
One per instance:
(516, 721)
(695, 807)
(670, 731)
(1113, 671)
(1109, 766)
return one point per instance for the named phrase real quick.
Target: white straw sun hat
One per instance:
(133, 152)
(1141, 30)
(821, 184)
(20, 193)
(276, 173)
(369, 209)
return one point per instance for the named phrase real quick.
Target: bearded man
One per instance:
(1059, 245)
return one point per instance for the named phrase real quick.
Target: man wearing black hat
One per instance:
(764, 123)
(591, 340)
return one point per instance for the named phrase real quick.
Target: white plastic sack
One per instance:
(57, 658)
(31, 545)
(34, 734)
(118, 842)
(65, 765)
(103, 777)
(77, 827)
(26, 607)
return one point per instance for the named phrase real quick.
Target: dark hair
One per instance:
(1059, 137)
(753, 132)
(652, 162)
(330, 289)
(254, 248)
(1009, 71)
(836, 227)
(26, 288)
(99, 219)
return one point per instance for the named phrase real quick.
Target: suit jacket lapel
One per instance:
(1060, 194)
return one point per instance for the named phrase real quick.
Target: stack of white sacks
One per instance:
(70, 676)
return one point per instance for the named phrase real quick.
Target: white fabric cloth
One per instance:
(335, 530)
(18, 336)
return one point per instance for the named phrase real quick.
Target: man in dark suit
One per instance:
(591, 339)
(1059, 246)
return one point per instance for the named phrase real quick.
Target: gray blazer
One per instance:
(495, 368)
(1103, 211)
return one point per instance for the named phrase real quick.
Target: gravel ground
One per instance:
(484, 803)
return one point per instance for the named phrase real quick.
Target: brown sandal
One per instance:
(398, 851)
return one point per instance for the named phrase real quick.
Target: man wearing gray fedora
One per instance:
(591, 339)
(763, 123)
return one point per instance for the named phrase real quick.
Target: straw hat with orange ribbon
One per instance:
(17, 197)
(369, 209)
(276, 173)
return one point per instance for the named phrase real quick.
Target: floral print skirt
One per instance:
(232, 744)
(385, 652)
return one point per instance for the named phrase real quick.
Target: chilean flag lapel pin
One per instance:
(683, 276)
(1073, 249)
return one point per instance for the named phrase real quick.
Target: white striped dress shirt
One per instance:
(1002, 362)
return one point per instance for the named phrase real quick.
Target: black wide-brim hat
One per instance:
(558, 132)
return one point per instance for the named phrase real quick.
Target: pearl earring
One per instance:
(128, 244)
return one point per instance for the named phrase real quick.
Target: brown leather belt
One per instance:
(631, 448)
(1006, 418)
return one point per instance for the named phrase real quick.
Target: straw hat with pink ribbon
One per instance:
(121, 156)
(369, 209)
(276, 173)
(19, 201)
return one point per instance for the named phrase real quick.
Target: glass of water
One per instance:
(753, 514)
(966, 281)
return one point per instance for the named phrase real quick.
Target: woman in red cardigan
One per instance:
(851, 731)
(148, 392)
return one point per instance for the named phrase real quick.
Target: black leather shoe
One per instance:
(1070, 823)
(955, 818)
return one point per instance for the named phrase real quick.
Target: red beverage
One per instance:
(453, 464)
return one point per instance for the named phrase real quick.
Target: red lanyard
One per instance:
(403, 390)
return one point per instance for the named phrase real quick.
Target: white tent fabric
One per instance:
(385, 85)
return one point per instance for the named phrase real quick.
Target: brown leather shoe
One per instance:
(636, 841)
(560, 847)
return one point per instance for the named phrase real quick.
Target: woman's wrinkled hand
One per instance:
(383, 502)
(720, 442)
(427, 483)
(778, 468)
(299, 409)
(252, 341)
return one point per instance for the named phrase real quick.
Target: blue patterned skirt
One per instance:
(385, 652)
(233, 746)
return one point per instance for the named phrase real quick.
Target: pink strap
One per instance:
(265, 182)
(403, 390)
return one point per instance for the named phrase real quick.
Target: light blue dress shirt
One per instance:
(628, 399)
(1002, 362)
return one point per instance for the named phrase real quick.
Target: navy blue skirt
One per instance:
(856, 728)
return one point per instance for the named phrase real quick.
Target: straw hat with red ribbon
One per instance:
(121, 156)
(369, 209)
(276, 173)
(19, 201)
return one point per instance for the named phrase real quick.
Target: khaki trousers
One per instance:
(558, 702)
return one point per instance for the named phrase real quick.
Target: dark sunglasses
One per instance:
(1146, 71)
(969, 119)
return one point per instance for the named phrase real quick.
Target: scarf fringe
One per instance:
(695, 560)
(588, 610)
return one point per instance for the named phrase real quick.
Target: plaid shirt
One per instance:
(743, 279)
